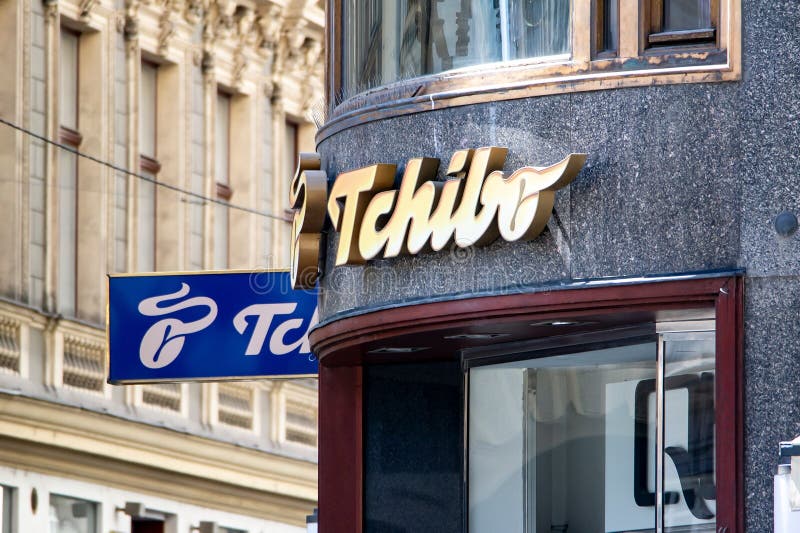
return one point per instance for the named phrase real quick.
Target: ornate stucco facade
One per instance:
(242, 456)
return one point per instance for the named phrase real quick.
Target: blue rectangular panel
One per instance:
(208, 326)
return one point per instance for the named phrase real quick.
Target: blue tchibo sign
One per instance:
(208, 326)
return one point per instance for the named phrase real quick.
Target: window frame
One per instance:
(634, 63)
(681, 38)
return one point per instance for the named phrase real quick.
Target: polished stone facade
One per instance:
(680, 178)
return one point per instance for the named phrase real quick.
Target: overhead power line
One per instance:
(139, 176)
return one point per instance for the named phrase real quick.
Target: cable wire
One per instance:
(139, 176)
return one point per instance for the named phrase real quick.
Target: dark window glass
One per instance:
(610, 25)
(687, 15)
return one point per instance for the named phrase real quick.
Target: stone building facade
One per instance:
(212, 99)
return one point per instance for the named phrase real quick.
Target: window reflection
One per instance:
(687, 14)
(70, 515)
(389, 40)
(579, 442)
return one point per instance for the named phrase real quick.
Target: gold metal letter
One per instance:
(357, 188)
(307, 195)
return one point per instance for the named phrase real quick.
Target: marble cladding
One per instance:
(679, 178)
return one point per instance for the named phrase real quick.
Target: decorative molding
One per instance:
(85, 8)
(268, 24)
(63, 427)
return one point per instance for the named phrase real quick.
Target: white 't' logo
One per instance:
(162, 343)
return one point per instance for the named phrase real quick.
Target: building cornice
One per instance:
(72, 442)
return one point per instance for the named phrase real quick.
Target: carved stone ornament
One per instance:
(51, 10)
(85, 7)
(131, 26)
(166, 30)
(375, 220)
(269, 25)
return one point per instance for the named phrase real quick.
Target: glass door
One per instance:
(607, 439)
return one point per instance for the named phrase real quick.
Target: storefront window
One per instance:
(70, 515)
(587, 441)
(388, 40)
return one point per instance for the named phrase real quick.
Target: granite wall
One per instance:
(679, 178)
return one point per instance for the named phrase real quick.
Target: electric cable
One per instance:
(139, 176)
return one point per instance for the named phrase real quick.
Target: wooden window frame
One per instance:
(634, 63)
(600, 49)
(342, 347)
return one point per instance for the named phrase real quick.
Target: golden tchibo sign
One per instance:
(374, 220)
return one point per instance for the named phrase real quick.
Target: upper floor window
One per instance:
(410, 56)
(222, 132)
(386, 42)
(148, 162)
(69, 93)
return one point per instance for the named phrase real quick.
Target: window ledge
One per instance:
(695, 63)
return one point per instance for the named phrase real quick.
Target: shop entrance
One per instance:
(609, 409)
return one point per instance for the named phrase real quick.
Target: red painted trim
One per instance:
(341, 396)
(340, 450)
(338, 339)
(730, 407)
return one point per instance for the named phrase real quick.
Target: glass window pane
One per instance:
(220, 237)
(559, 444)
(689, 444)
(6, 509)
(610, 25)
(67, 214)
(538, 28)
(687, 14)
(146, 261)
(222, 140)
(70, 515)
(68, 82)
(389, 40)
(147, 110)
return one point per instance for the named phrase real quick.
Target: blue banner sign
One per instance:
(209, 326)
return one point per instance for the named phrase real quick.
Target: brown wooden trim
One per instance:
(339, 338)
(729, 405)
(341, 455)
(148, 164)
(632, 67)
(526, 82)
(682, 36)
(69, 136)
(656, 14)
(224, 192)
(601, 49)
